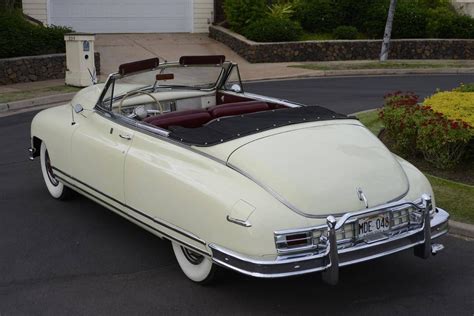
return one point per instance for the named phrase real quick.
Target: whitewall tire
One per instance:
(196, 267)
(55, 188)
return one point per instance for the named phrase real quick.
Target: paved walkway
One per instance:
(116, 49)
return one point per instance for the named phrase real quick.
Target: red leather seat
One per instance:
(189, 119)
(237, 108)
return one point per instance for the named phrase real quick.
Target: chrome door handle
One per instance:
(125, 136)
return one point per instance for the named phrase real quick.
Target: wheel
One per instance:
(196, 267)
(55, 188)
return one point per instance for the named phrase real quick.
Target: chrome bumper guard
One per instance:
(435, 224)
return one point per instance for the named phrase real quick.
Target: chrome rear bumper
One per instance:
(333, 258)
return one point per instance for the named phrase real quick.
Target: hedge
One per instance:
(19, 37)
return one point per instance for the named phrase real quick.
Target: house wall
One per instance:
(37, 9)
(203, 15)
(465, 6)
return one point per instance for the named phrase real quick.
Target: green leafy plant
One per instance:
(465, 87)
(282, 10)
(18, 37)
(445, 23)
(401, 115)
(415, 128)
(443, 142)
(345, 32)
(318, 15)
(241, 13)
(273, 29)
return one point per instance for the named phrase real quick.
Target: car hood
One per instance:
(319, 170)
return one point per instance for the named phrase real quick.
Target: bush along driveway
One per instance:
(436, 139)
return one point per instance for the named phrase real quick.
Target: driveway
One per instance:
(116, 49)
(77, 258)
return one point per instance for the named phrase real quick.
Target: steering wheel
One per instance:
(131, 93)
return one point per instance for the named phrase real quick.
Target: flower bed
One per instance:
(440, 134)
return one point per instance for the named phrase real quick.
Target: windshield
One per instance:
(184, 77)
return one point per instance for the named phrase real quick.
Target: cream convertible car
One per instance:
(259, 185)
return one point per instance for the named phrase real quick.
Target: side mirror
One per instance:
(236, 88)
(78, 108)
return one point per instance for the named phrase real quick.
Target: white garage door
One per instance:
(122, 16)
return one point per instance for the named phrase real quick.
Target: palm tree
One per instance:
(388, 31)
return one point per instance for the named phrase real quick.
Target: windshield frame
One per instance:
(112, 78)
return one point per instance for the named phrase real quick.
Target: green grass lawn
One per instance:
(457, 198)
(35, 93)
(391, 64)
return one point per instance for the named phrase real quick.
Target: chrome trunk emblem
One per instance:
(362, 197)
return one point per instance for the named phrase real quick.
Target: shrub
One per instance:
(453, 105)
(19, 37)
(410, 20)
(345, 32)
(354, 12)
(401, 115)
(272, 29)
(318, 15)
(442, 141)
(240, 13)
(415, 128)
(446, 24)
(465, 87)
(282, 10)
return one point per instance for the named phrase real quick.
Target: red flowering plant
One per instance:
(401, 115)
(414, 128)
(442, 141)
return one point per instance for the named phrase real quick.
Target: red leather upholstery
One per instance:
(173, 114)
(238, 108)
(189, 119)
(197, 118)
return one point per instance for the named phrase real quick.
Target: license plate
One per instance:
(374, 225)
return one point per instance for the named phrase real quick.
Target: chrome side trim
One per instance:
(141, 213)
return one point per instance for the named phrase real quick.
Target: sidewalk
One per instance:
(116, 49)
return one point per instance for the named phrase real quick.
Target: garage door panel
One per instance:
(122, 16)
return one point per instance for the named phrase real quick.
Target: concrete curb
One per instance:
(461, 229)
(368, 72)
(36, 102)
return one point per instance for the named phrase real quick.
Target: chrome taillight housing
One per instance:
(315, 239)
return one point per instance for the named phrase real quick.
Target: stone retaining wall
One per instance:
(35, 68)
(342, 49)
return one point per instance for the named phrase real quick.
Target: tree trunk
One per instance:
(388, 31)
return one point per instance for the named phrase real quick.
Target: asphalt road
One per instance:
(77, 257)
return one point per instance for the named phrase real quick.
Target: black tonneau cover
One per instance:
(233, 127)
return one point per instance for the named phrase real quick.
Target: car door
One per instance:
(99, 146)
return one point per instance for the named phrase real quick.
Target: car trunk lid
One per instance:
(319, 170)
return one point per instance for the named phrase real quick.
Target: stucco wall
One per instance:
(203, 15)
(465, 6)
(37, 9)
